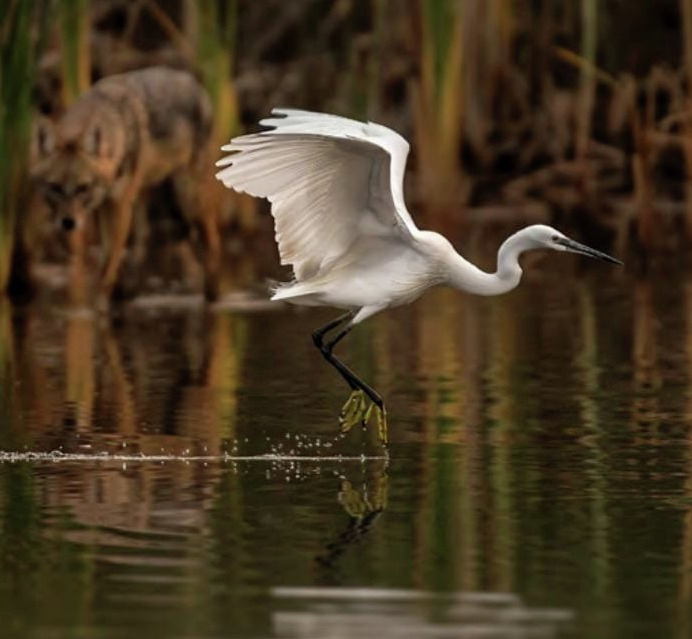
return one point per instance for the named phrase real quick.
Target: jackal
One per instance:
(129, 132)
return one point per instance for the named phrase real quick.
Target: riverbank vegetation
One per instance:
(573, 113)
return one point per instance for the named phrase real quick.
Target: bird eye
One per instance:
(555, 238)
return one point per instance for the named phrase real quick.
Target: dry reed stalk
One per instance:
(686, 11)
(641, 162)
(642, 179)
(169, 27)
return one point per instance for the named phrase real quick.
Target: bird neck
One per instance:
(467, 277)
(508, 268)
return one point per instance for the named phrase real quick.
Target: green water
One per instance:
(539, 479)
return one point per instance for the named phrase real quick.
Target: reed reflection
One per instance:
(597, 463)
(448, 367)
(647, 376)
(7, 368)
(137, 386)
(685, 588)
(532, 453)
(86, 389)
(502, 417)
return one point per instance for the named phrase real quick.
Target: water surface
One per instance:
(538, 483)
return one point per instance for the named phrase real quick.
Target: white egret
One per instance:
(336, 192)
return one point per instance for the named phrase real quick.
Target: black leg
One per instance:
(326, 349)
(318, 334)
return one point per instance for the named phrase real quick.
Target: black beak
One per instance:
(581, 249)
(68, 223)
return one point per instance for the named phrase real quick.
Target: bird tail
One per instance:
(278, 287)
(295, 292)
(274, 285)
(282, 290)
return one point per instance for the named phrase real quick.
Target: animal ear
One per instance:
(43, 137)
(93, 143)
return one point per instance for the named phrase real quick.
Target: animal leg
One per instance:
(194, 191)
(121, 231)
(77, 269)
(346, 372)
(212, 256)
(356, 409)
(318, 334)
(326, 349)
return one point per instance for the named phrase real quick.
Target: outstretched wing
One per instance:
(331, 181)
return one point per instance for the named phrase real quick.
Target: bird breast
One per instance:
(385, 275)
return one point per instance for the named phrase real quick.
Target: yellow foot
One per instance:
(354, 503)
(381, 421)
(360, 504)
(358, 409)
(353, 411)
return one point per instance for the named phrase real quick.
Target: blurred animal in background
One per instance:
(128, 133)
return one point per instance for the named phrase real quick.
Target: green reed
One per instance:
(464, 55)
(216, 50)
(217, 22)
(75, 56)
(589, 41)
(440, 96)
(17, 64)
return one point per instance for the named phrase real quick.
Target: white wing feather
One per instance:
(330, 181)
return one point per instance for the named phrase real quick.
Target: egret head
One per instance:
(547, 237)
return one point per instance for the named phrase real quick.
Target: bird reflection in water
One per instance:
(363, 507)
